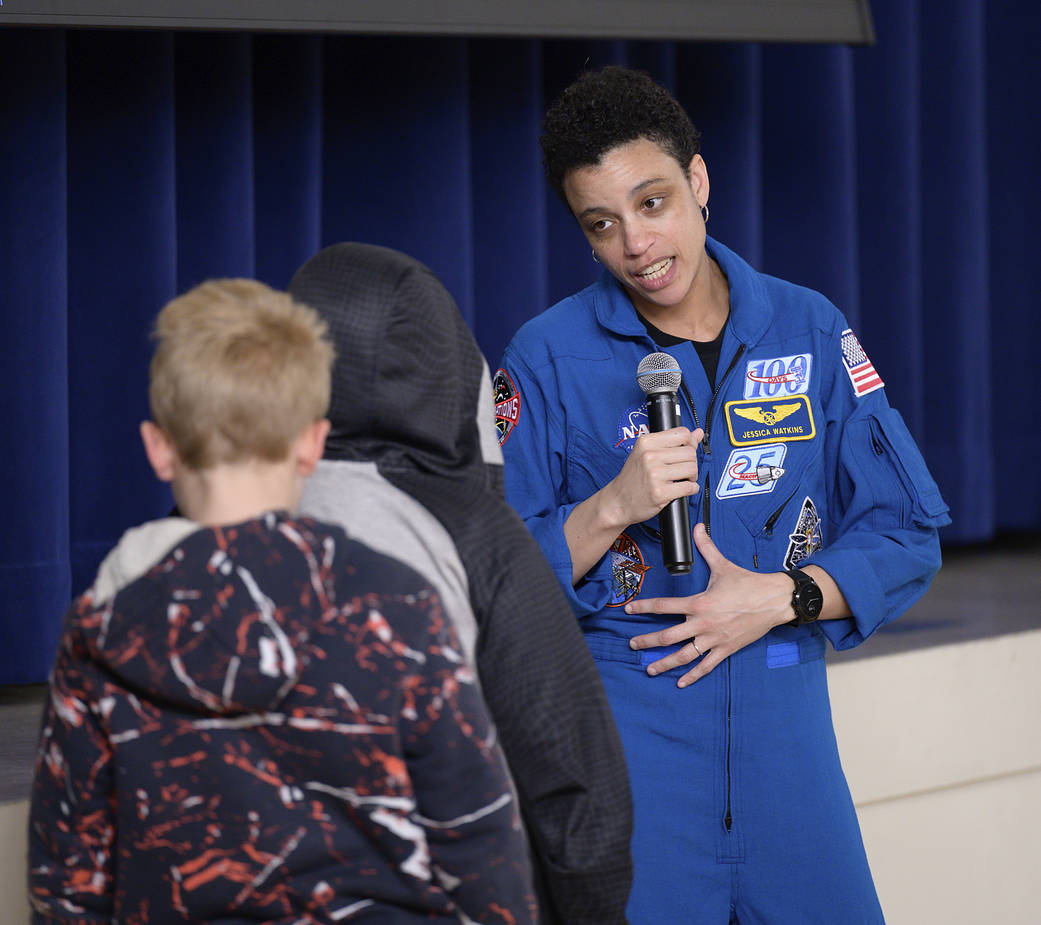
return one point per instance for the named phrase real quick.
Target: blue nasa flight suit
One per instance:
(742, 809)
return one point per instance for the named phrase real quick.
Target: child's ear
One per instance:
(160, 451)
(309, 446)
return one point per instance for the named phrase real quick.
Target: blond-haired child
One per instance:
(252, 717)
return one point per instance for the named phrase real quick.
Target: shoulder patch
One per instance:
(778, 420)
(776, 377)
(507, 404)
(627, 570)
(859, 368)
(806, 538)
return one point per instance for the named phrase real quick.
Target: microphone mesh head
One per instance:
(658, 372)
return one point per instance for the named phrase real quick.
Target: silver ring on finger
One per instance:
(696, 649)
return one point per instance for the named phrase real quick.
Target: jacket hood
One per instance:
(407, 382)
(197, 616)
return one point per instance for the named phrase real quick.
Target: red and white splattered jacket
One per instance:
(272, 723)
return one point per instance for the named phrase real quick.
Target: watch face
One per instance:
(812, 601)
(808, 599)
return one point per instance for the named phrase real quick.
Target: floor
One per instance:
(19, 723)
(981, 591)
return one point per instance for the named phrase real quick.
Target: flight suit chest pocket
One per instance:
(588, 466)
(783, 525)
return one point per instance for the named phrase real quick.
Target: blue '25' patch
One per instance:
(752, 471)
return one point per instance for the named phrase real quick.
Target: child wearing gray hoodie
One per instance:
(251, 716)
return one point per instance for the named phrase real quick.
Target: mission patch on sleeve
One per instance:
(507, 404)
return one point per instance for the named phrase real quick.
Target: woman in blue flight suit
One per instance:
(816, 518)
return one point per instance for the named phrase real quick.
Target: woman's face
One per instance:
(641, 213)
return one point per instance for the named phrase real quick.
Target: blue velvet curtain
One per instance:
(900, 180)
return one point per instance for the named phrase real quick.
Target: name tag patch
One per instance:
(782, 420)
(778, 377)
(754, 471)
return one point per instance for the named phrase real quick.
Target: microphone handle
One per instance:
(663, 413)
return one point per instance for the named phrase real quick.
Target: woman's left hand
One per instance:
(737, 608)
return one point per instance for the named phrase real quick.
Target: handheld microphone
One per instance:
(659, 377)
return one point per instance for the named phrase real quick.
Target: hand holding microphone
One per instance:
(659, 377)
(660, 472)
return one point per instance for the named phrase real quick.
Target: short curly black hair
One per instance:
(607, 108)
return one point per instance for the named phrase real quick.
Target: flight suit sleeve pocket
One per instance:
(892, 443)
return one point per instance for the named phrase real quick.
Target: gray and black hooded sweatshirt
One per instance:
(412, 467)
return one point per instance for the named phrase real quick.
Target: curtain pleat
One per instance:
(34, 397)
(122, 256)
(889, 177)
(396, 154)
(900, 180)
(955, 360)
(731, 125)
(287, 153)
(568, 259)
(214, 146)
(1013, 149)
(809, 195)
(508, 190)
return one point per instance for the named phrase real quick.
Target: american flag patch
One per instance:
(859, 368)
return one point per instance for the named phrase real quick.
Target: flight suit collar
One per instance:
(750, 309)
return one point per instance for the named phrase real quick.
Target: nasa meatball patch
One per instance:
(631, 425)
(507, 404)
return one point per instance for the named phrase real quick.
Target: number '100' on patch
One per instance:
(752, 471)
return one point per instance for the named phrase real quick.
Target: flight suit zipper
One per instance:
(728, 818)
(706, 506)
(706, 503)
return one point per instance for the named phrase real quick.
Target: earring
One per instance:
(704, 214)
(595, 258)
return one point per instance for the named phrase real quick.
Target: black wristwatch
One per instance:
(807, 599)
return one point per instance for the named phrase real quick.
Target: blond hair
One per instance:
(239, 371)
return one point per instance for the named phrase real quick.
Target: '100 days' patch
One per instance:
(778, 377)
